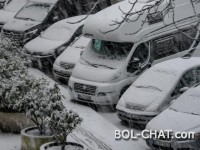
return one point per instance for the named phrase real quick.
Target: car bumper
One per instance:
(61, 74)
(174, 144)
(135, 117)
(111, 90)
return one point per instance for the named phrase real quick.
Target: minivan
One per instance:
(112, 61)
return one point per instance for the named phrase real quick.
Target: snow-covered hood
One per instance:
(20, 25)
(71, 55)
(42, 46)
(176, 121)
(5, 16)
(100, 74)
(143, 97)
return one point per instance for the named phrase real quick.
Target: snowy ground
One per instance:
(100, 127)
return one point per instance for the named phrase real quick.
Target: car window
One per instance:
(174, 43)
(142, 53)
(187, 80)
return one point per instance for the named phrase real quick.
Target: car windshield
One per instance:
(59, 32)
(14, 5)
(34, 11)
(189, 103)
(107, 54)
(157, 79)
(111, 50)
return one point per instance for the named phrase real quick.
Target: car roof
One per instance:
(178, 65)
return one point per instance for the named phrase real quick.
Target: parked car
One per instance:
(112, 61)
(66, 62)
(182, 116)
(34, 18)
(10, 10)
(37, 15)
(44, 49)
(156, 88)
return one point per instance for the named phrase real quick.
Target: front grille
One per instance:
(166, 138)
(66, 65)
(13, 36)
(64, 74)
(85, 89)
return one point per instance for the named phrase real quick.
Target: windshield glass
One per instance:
(156, 79)
(15, 5)
(107, 54)
(189, 103)
(59, 32)
(34, 11)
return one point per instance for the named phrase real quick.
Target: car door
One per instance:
(187, 80)
(142, 55)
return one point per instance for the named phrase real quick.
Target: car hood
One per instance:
(143, 96)
(175, 121)
(71, 55)
(100, 74)
(5, 16)
(42, 46)
(19, 25)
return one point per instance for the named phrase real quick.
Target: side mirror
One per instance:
(81, 53)
(172, 102)
(135, 63)
(184, 89)
(55, 18)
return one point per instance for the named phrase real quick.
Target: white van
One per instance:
(112, 61)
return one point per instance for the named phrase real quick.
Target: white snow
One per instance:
(71, 55)
(54, 36)
(9, 11)
(35, 11)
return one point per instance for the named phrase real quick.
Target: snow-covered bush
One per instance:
(62, 123)
(40, 102)
(14, 79)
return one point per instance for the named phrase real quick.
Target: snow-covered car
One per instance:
(113, 61)
(10, 10)
(156, 88)
(66, 62)
(44, 49)
(34, 17)
(183, 116)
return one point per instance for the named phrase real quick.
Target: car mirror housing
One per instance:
(184, 89)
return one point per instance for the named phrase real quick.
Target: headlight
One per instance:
(135, 106)
(59, 50)
(67, 66)
(105, 93)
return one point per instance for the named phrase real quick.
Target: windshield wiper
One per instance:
(103, 66)
(26, 18)
(88, 62)
(151, 87)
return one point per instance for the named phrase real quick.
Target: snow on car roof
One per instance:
(102, 21)
(44, 1)
(178, 65)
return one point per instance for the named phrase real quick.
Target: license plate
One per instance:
(163, 144)
(84, 97)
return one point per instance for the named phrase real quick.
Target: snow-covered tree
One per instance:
(62, 123)
(40, 102)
